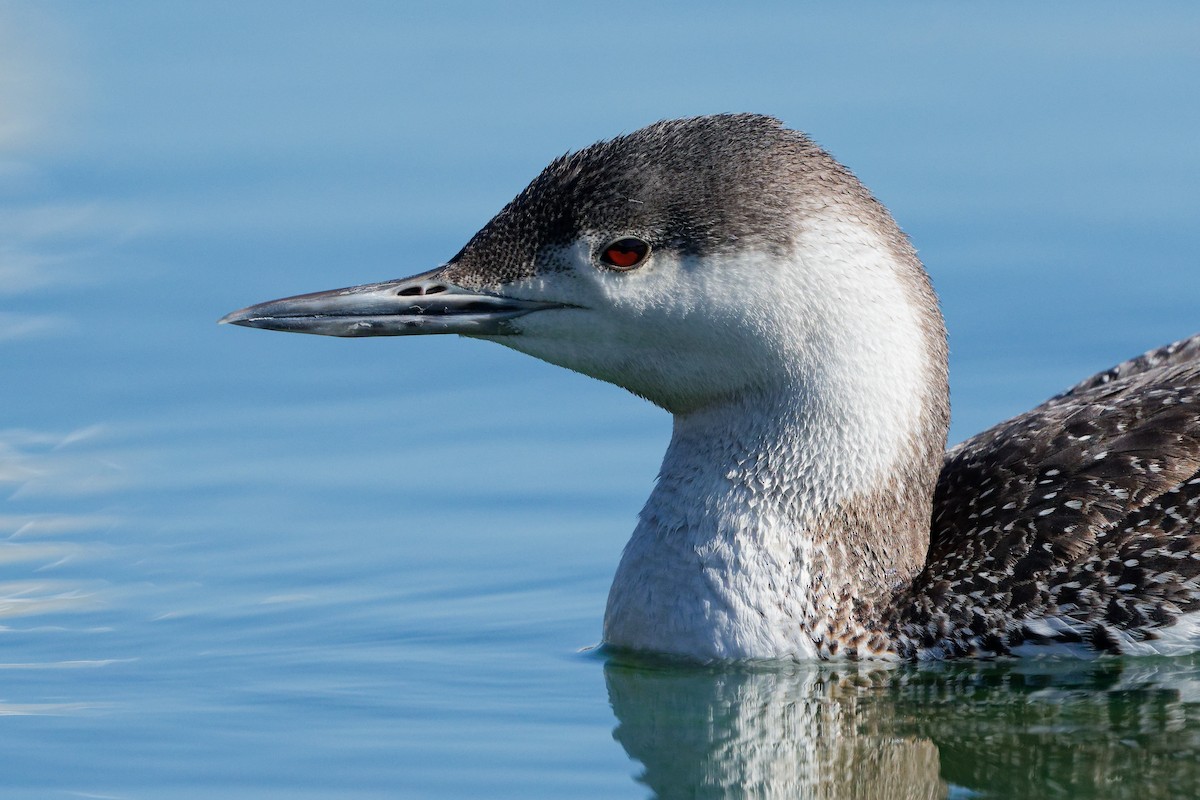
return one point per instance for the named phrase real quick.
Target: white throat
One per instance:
(778, 510)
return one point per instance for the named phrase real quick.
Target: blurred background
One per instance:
(253, 562)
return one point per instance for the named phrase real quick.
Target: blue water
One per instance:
(242, 564)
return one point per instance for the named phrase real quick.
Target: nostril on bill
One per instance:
(417, 291)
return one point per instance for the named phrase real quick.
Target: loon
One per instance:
(730, 271)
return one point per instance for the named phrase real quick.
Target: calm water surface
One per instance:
(240, 564)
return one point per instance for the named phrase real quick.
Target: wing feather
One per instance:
(1078, 521)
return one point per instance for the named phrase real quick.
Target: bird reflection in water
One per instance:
(1108, 728)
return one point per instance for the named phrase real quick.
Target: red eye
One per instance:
(625, 253)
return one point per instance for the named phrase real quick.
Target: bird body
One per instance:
(730, 271)
(1073, 528)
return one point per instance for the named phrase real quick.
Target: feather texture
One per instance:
(1076, 523)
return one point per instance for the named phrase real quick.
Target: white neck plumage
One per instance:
(785, 516)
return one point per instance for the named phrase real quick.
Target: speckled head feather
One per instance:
(695, 186)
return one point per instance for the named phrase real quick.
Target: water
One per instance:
(241, 564)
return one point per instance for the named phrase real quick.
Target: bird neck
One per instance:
(790, 512)
(769, 534)
(785, 518)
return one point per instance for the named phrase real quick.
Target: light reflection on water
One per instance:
(40, 549)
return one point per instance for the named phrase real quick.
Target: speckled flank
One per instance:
(1073, 524)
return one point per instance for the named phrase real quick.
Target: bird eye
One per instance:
(625, 253)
